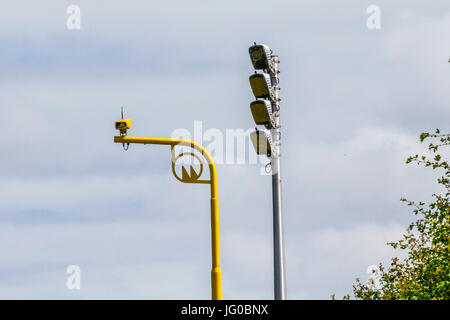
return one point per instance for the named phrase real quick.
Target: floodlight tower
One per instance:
(266, 111)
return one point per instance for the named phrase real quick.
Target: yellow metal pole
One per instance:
(216, 273)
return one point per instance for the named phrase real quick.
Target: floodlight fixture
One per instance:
(262, 142)
(262, 112)
(262, 86)
(260, 54)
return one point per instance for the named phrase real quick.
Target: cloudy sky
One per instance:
(354, 103)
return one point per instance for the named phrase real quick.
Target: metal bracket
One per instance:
(192, 176)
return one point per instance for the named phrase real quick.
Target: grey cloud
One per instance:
(354, 103)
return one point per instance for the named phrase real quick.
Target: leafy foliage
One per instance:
(424, 274)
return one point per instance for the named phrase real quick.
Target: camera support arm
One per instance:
(216, 273)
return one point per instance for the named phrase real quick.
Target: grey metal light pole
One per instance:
(278, 239)
(266, 111)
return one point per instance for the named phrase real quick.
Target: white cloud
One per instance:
(354, 103)
(329, 260)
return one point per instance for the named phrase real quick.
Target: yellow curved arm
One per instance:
(216, 273)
